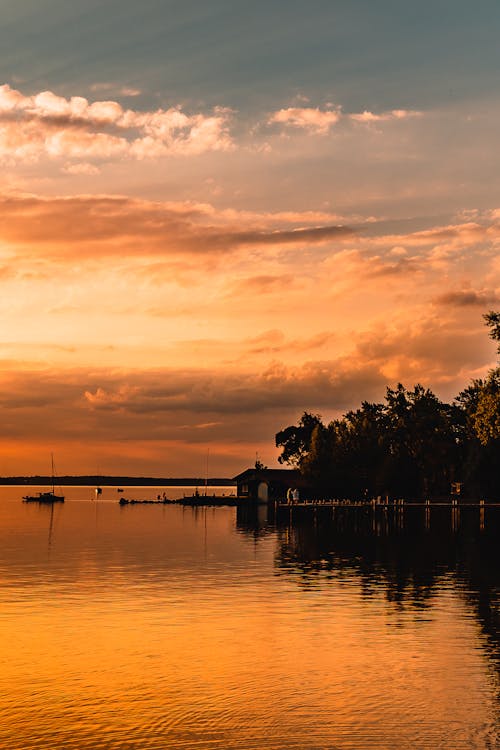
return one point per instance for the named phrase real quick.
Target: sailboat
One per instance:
(49, 496)
(206, 499)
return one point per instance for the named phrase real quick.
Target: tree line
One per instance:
(410, 445)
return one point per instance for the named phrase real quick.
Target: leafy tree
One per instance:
(411, 444)
(296, 440)
(367, 448)
(467, 400)
(481, 402)
(486, 416)
(422, 440)
(493, 322)
(479, 435)
(317, 463)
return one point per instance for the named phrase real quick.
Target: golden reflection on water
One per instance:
(150, 627)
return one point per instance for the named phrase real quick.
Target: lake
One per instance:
(152, 627)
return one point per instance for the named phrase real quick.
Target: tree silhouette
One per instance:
(412, 444)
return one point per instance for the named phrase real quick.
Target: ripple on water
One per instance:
(172, 630)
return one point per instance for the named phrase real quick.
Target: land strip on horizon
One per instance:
(117, 481)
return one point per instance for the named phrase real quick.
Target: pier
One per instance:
(386, 504)
(383, 516)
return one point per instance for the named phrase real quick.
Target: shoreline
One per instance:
(116, 481)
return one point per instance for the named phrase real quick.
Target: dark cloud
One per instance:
(118, 225)
(432, 350)
(315, 385)
(467, 298)
(230, 408)
(156, 404)
(275, 342)
(264, 283)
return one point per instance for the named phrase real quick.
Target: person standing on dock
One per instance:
(289, 496)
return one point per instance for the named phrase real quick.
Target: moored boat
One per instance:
(49, 496)
(44, 497)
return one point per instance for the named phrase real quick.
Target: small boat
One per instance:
(49, 496)
(44, 497)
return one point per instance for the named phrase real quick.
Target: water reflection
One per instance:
(163, 626)
(410, 554)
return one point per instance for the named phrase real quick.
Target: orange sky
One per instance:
(181, 274)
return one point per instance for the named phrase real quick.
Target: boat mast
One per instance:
(53, 484)
(206, 473)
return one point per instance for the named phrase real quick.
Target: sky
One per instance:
(215, 216)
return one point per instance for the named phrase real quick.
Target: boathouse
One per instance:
(262, 485)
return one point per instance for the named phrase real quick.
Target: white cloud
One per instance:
(393, 114)
(74, 128)
(307, 118)
(320, 121)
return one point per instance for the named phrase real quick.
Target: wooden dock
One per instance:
(191, 500)
(385, 505)
(124, 501)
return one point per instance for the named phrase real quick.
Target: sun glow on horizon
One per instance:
(185, 266)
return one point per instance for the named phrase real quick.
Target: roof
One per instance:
(267, 474)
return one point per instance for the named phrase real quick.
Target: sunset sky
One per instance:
(218, 214)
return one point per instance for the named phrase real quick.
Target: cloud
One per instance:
(236, 405)
(368, 117)
(434, 248)
(81, 168)
(312, 119)
(110, 225)
(320, 121)
(49, 125)
(429, 349)
(116, 88)
(265, 283)
(313, 384)
(166, 404)
(467, 298)
(284, 259)
(274, 342)
(425, 256)
(154, 403)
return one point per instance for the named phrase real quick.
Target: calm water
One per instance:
(156, 627)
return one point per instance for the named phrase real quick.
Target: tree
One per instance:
(478, 425)
(422, 440)
(493, 322)
(486, 416)
(296, 439)
(366, 449)
(317, 464)
(479, 435)
(412, 444)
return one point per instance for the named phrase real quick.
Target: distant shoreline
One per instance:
(119, 481)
